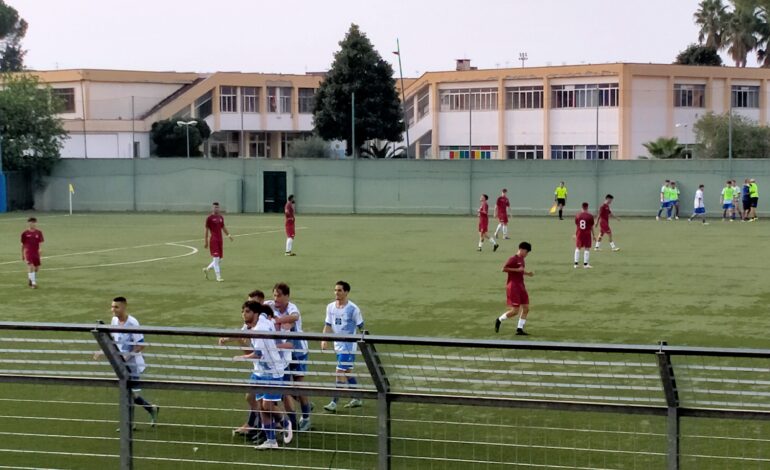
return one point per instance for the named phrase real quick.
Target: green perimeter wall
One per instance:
(387, 186)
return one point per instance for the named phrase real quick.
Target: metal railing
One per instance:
(664, 383)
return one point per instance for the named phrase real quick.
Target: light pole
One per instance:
(186, 125)
(3, 207)
(686, 149)
(523, 58)
(403, 96)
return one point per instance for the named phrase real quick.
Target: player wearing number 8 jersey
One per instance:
(584, 235)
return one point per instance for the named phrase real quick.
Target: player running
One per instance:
(604, 223)
(584, 235)
(699, 206)
(483, 212)
(515, 290)
(288, 212)
(502, 206)
(560, 196)
(30, 250)
(215, 225)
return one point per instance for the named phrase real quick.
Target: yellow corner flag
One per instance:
(72, 189)
(552, 210)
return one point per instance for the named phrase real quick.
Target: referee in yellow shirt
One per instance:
(560, 195)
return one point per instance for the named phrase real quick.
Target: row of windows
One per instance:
(278, 99)
(584, 96)
(463, 99)
(584, 152)
(534, 152)
(694, 96)
(531, 97)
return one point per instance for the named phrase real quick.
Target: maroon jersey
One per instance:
(584, 222)
(483, 211)
(31, 240)
(215, 223)
(604, 213)
(517, 278)
(502, 208)
(288, 211)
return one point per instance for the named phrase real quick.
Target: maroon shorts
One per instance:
(604, 228)
(289, 228)
(516, 295)
(583, 240)
(483, 225)
(503, 220)
(32, 258)
(215, 248)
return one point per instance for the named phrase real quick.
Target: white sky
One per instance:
(294, 36)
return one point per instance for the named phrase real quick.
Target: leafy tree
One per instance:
(749, 140)
(665, 147)
(712, 17)
(696, 54)
(12, 30)
(311, 147)
(170, 139)
(383, 151)
(742, 31)
(359, 69)
(31, 131)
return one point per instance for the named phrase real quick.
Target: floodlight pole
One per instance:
(187, 125)
(403, 96)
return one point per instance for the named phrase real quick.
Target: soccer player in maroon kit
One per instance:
(516, 292)
(288, 211)
(484, 223)
(604, 223)
(30, 250)
(584, 236)
(215, 225)
(501, 212)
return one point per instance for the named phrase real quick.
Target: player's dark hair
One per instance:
(486, 198)
(505, 190)
(291, 197)
(345, 286)
(283, 288)
(120, 299)
(32, 219)
(252, 306)
(668, 181)
(214, 203)
(266, 309)
(525, 246)
(257, 293)
(584, 205)
(609, 196)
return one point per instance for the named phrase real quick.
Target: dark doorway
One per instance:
(275, 190)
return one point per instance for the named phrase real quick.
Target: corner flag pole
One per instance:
(71, 192)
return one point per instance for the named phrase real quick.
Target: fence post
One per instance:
(383, 402)
(125, 401)
(672, 401)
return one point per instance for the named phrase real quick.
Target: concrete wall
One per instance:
(388, 186)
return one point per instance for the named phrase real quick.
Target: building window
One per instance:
(584, 96)
(225, 144)
(461, 99)
(258, 146)
(584, 152)
(524, 97)
(66, 99)
(272, 99)
(287, 138)
(745, 96)
(409, 112)
(203, 108)
(423, 103)
(524, 152)
(689, 96)
(459, 152)
(306, 97)
(228, 99)
(285, 100)
(250, 98)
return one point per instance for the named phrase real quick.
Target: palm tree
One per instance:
(763, 43)
(665, 147)
(712, 17)
(742, 31)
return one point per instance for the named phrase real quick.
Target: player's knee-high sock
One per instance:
(492, 241)
(522, 322)
(577, 255)
(660, 211)
(668, 212)
(289, 244)
(586, 253)
(598, 242)
(497, 230)
(217, 269)
(505, 230)
(138, 400)
(270, 430)
(612, 245)
(560, 212)
(34, 277)
(211, 264)
(305, 407)
(253, 419)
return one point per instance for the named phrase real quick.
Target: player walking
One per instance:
(288, 212)
(560, 195)
(726, 199)
(30, 250)
(483, 212)
(502, 205)
(215, 225)
(584, 235)
(664, 202)
(604, 223)
(699, 206)
(515, 290)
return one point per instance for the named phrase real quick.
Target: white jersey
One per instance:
(270, 362)
(698, 201)
(300, 345)
(125, 343)
(344, 320)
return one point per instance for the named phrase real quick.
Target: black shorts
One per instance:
(746, 203)
(754, 201)
(561, 201)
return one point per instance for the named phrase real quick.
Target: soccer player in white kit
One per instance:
(343, 317)
(699, 207)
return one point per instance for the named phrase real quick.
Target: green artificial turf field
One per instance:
(414, 276)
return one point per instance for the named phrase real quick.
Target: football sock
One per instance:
(660, 211)
(598, 242)
(253, 417)
(497, 230)
(33, 277)
(612, 244)
(481, 242)
(292, 419)
(305, 410)
(522, 321)
(503, 317)
(668, 212)
(505, 230)
(29, 276)
(138, 400)
(289, 243)
(560, 211)
(270, 431)
(577, 255)
(352, 382)
(492, 240)
(585, 256)
(216, 265)
(211, 265)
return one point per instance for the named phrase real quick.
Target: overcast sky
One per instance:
(293, 36)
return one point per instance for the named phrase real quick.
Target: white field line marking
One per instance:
(10, 219)
(107, 250)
